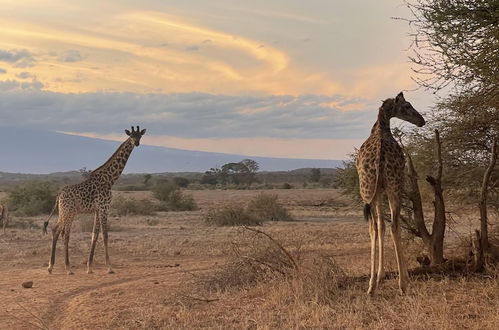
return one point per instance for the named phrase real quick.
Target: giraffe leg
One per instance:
(66, 235)
(103, 222)
(396, 237)
(95, 237)
(381, 238)
(56, 231)
(373, 232)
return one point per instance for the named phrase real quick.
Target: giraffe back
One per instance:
(369, 167)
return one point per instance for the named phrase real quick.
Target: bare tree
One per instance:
(434, 241)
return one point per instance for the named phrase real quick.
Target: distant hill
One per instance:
(33, 151)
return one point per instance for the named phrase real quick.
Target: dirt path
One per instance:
(84, 301)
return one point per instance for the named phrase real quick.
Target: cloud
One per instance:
(188, 115)
(24, 75)
(192, 48)
(18, 58)
(14, 85)
(71, 56)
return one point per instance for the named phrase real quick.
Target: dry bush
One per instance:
(266, 207)
(127, 206)
(319, 280)
(259, 258)
(230, 215)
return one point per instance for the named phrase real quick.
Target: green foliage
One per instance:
(127, 206)
(163, 189)
(456, 46)
(347, 178)
(315, 174)
(85, 173)
(147, 178)
(181, 182)
(32, 198)
(230, 215)
(172, 199)
(265, 207)
(236, 174)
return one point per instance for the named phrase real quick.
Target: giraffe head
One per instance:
(135, 135)
(404, 110)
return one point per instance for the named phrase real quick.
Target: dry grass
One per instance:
(174, 272)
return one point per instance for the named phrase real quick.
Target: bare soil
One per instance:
(159, 260)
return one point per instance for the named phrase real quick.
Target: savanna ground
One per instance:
(171, 272)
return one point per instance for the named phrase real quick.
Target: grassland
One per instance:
(175, 272)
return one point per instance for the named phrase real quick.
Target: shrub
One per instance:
(265, 207)
(172, 199)
(258, 257)
(163, 189)
(123, 206)
(32, 198)
(286, 186)
(230, 215)
(181, 182)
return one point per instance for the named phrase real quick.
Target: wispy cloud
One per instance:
(187, 115)
(19, 58)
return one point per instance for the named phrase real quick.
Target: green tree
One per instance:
(147, 178)
(32, 198)
(315, 174)
(181, 182)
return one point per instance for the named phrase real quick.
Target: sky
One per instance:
(278, 78)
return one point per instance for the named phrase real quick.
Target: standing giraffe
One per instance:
(380, 165)
(4, 216)
(91, 195)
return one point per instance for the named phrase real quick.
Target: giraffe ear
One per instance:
(400, 97)
(127, 132)
(143, 132)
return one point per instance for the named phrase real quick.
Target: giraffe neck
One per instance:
(111, 170)
(382, 125)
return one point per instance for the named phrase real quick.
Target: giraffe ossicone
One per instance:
(91, 195)
(380, 166)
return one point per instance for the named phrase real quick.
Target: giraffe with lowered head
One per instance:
(380, 165)
(91, 195)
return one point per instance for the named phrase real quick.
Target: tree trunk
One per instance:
(433, 242)
(484, 236)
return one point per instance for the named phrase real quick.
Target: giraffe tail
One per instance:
(368, 212)
(46, 223)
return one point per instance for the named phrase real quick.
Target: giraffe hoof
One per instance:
(49, 270)
(89, 271)
(370, 291)
(110, 271)
(70, 272)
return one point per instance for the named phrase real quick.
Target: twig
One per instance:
(295, 266)
(200, 299)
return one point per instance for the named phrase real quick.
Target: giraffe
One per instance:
(4, 216)
(380, 166)
(91, 195)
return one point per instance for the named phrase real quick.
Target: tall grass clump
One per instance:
(129, 206)
(266, 207)
(230, 215)
(172, 198)
(32, 198)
